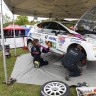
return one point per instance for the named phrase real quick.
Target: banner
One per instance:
(86, 91)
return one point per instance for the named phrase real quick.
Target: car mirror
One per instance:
(53, 32)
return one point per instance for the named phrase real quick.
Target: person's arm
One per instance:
(83, 59)
(45, 50)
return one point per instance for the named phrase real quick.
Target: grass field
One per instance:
(18, 89)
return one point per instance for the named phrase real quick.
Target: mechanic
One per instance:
(36, 53)
(70, 61)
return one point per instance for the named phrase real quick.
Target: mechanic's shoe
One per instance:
(36, 64)
(10, 81)
(67, 77)
(45, 62)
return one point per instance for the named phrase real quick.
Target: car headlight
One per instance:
(94, 49)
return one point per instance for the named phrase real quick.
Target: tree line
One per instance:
(20, 20)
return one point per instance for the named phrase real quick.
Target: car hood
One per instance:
(91, 38)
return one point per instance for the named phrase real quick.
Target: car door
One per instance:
(50, 37)
(62, 38)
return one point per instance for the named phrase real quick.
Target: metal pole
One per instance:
(3, 47)
(14, 35)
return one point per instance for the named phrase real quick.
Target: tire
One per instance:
(50, 89)
(29, 45)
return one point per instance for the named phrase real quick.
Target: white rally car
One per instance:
(62, 39)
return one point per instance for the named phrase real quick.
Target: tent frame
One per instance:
(14, 36)
(3, 45)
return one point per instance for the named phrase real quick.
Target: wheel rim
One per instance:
(55, 89)
(29, 46)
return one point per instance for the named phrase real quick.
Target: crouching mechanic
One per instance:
(70, 61)
(36, 53)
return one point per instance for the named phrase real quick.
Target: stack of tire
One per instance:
(55, 88)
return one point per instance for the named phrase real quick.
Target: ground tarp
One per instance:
(24, 71)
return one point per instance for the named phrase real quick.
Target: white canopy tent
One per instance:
(46, 8)
(50, 8)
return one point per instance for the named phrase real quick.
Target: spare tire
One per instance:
(55, 88)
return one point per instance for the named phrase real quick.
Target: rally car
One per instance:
(62, 39)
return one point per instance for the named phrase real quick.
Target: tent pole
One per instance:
(3, 47)
(14, 36)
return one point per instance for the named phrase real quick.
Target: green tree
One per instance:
(6, 20)
(33, 22)
(22, 20)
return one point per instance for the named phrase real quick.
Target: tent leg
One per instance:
(3, 47)
(14, 36)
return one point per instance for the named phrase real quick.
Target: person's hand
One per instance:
(84, 61)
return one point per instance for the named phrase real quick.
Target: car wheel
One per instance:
(29, 45)
(55, 88)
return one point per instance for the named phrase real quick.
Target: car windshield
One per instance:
(87, 24)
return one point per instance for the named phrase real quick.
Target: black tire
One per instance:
(62, 85)
(29, 45)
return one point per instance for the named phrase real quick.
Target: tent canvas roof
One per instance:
(50, 8)
(11, 27)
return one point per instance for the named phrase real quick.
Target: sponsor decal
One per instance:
(61, 39)
(36, 35)
(52, 38)
(48, 43)
(61, 46)
(53, 45)
(86, 91)
(46, 36)
(30, 34)
(41, 41)
(75, 40)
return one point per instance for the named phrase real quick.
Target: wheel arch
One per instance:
(29, 40)
(73, 45)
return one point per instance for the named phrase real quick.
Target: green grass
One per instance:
(18, 89)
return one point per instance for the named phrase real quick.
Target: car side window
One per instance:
(62, 29)
(46, 25)
(53, 26)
